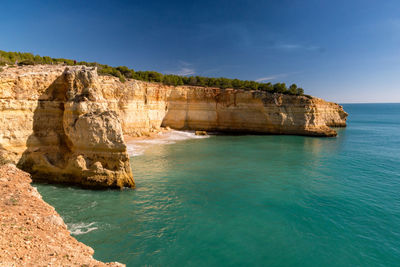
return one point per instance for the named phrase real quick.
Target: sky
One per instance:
(347, 51)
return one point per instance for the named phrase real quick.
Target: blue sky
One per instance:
(343, 51)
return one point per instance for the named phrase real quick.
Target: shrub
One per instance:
(293, 89)
(123, 73)
(26, 62)
(280, 88)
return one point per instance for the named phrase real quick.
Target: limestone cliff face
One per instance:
(66, 124)
(251, 112)
(144, 107)
(57, 126)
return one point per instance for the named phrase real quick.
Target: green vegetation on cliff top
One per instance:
(124, 73)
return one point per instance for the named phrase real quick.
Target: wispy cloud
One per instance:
(272, 77)
(288, 46)
(277, 76)
(184, 72)
(268, 78)
(291, 47)
(184, 69)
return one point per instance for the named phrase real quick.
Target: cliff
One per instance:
(144, 107)
(67, 124)
(56, 125)
(32, 233)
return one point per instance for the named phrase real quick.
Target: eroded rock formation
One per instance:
(144, 107)
(67, 124)
(69, 133)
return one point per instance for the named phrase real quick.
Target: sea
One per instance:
(251, 200)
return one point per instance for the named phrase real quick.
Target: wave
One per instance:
(138, 147)
(81, 228)
(134, 150)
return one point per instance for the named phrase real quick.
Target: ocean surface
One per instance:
(251, 200)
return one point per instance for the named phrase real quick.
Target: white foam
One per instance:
(137, 147)
(134, 150)
(180, 135)
(81, 228)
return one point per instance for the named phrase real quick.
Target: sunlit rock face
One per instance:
(251, 112)
(144, 107)
(68, 134)
(66, 124)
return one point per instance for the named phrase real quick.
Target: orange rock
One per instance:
(23, 244)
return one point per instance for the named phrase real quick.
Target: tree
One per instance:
(293, 89)
(266, 87)
(128, 73)
(192, 80)
(200, 81)
(225, 83)
(123, 72)
(280, 88)
(300, 91)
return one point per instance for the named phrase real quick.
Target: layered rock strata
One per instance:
(59, 128)
(66, 123)
(144, 107)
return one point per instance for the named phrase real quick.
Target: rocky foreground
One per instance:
(32, 233)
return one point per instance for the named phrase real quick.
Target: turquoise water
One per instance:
(253, 200)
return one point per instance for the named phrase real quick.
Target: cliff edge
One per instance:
(32, 233)
(66, 124)
(57, 126)
(145, 106)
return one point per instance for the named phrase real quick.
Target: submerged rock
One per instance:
(200, 133)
